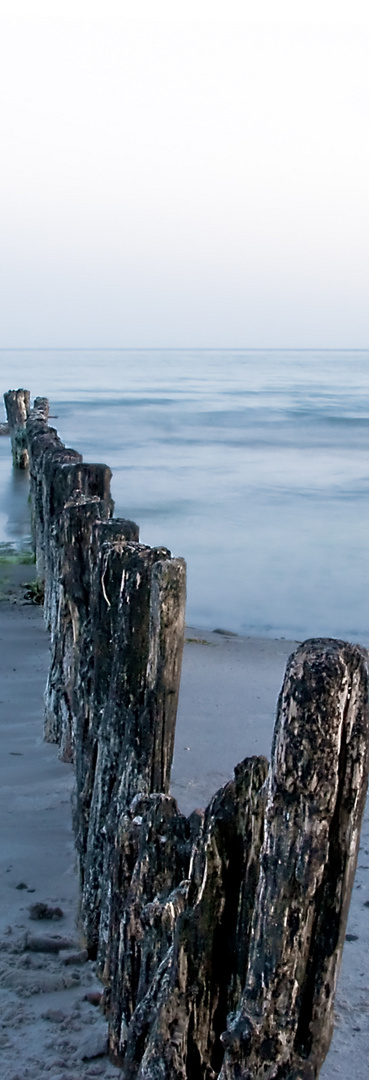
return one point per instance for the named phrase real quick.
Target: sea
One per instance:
(252, 464)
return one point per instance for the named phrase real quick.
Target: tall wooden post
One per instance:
(68, 600)
(137, 626)
(316, 796)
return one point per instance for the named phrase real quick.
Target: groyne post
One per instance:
(67, 596)
(315, 801)
(41, 439)
(268, 950)
(95, 660)
(67, 479)
(137, 628)
(181, 947)
(17, 410)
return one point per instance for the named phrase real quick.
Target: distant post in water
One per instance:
(17, 410)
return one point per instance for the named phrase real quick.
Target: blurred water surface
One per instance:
(253, 465)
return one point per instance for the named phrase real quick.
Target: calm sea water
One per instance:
(252, 465)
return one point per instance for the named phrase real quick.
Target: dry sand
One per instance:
(227, 706)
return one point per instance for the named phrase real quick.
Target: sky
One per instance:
(195, 179)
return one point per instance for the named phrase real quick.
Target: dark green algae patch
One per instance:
(17, 572)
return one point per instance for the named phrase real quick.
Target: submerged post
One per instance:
(17, 410)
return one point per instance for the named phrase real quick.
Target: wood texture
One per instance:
(316, 795)
(137, 623)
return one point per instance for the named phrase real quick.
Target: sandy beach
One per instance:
(227, 707)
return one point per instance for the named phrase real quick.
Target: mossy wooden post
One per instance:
(137, 628)
(316, 796)
(17, 410)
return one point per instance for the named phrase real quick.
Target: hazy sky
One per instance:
(183, 182)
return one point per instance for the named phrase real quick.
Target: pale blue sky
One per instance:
(183, 183)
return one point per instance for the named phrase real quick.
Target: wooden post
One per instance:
(65, 477)
(17, 409)
(95, 659)
(60, 481)
(316, 796)
(41, 439)
(137, 628)
(255, 933)
(180, 949)
(69, 595)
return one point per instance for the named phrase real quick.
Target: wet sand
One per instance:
(227, 707)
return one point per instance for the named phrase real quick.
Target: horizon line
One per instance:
(182, 348)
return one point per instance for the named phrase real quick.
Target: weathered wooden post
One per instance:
(180, 949)
(95, 660)
(316, 796)
(68, 600)
(263, 946)
(41, 439)
(17, 409)
(66, 477)
(137, 625)
(60, 480)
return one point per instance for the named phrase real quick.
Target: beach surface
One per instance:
(229, 690)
